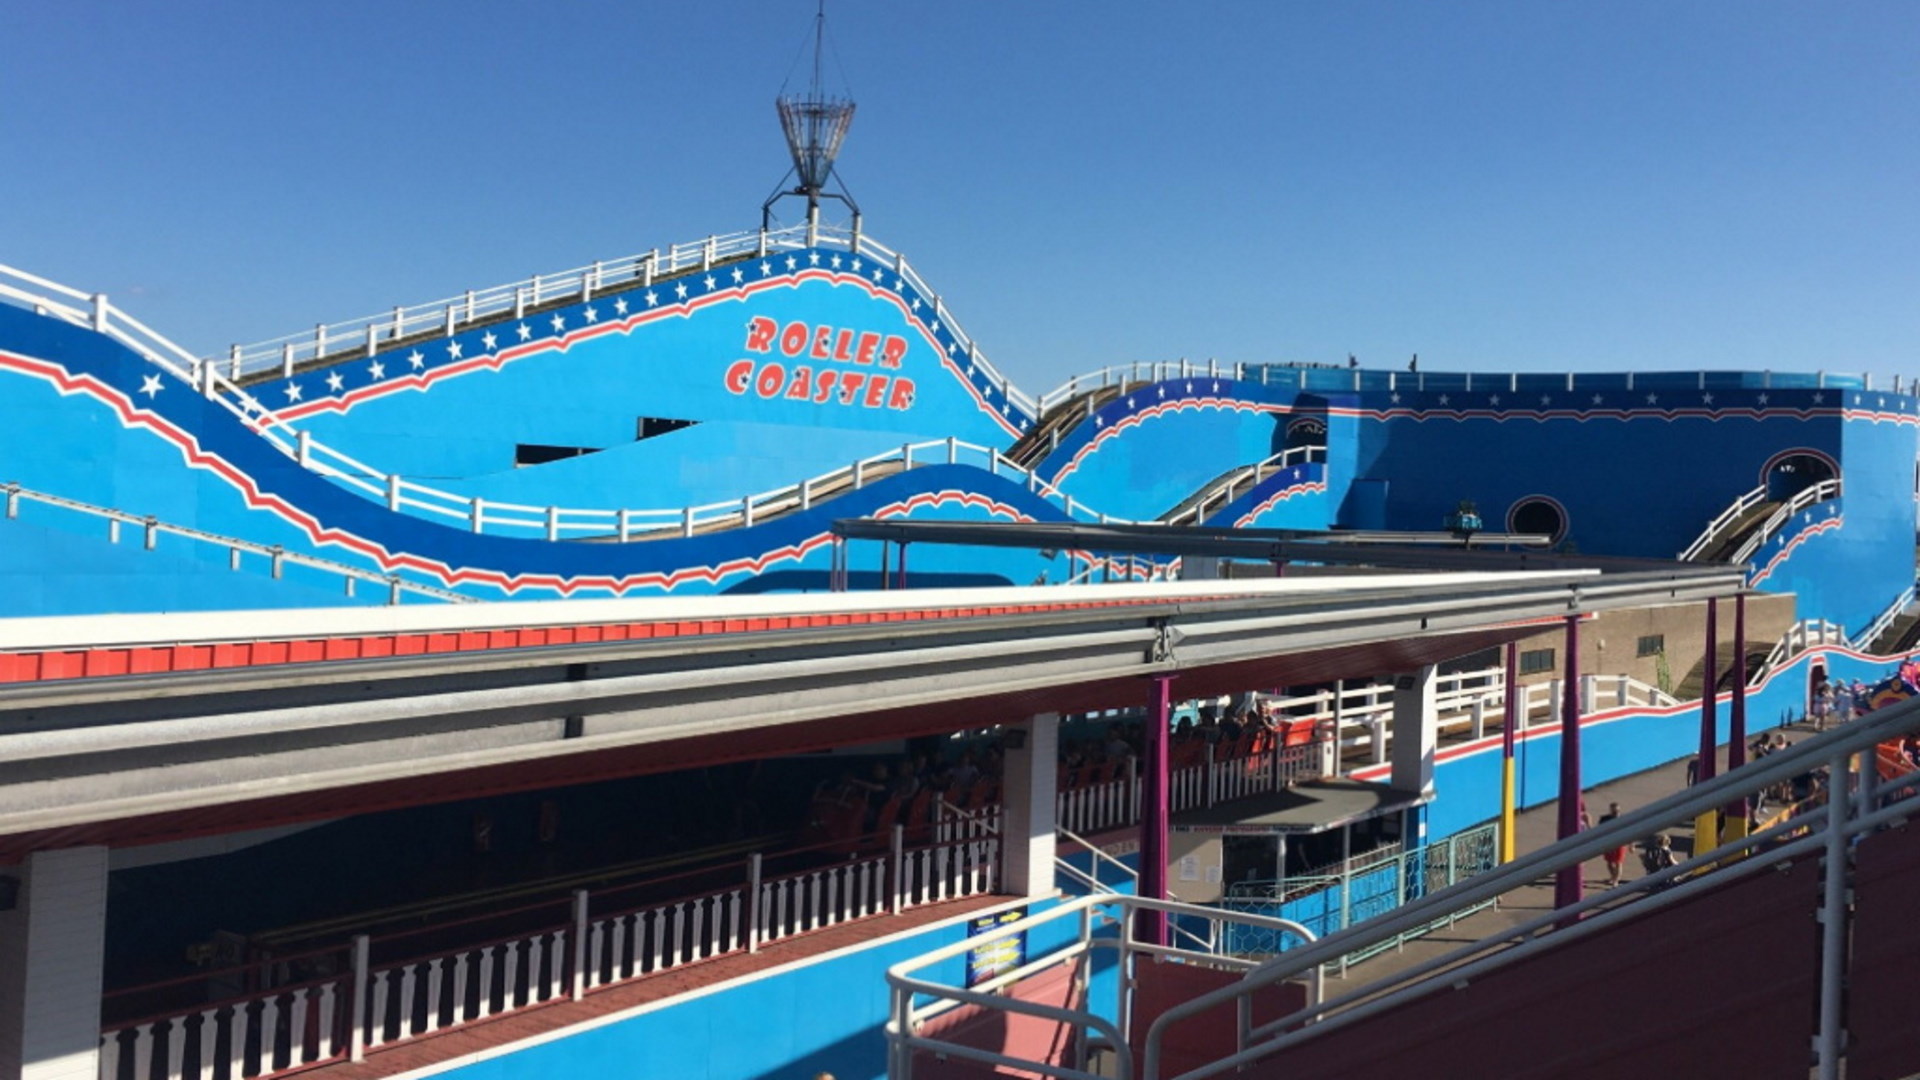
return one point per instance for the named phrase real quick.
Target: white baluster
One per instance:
(407, 981)
(617, 969)
(329, 1044)
(433, 993)
(209, 1035)
(679, 932)
(237, 1043)
(143, 1052)
(297, 1030)
(533, 969)
(485, 1004)
(556, 963)
(696, 937)
(596, 944)
(509, 977)
(110, 1056)
(659, 938)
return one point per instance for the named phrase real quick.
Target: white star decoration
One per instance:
(710, 282)
(854, 266)
(680, 290)
(653, 298)
(592, 316)
(766, 268)
(489, 340)
(1546, 399)
(1818, 398)
(1707, 397)
(813, 258)
(1443, 399)
(738, 277)
(335, 382)
(416, 360)
(1651, 398)
(834, 262)
(453, 349)
(150, 386)
(1762, 399)
(377, 370)
(1596, 399)
(1493, 399)
(293, 392)
(524, 331)
(620, 306)
(791, 263)
(559, 323)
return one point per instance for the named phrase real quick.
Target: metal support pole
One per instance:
(1833, 922)
(1151, 926)
(901, 578)
(1567, 885)
(357, 1026)
(1507, 733)
(1706, 826)
(899, 898)
(1733, 821)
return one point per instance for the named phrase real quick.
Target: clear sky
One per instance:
(1518, 185)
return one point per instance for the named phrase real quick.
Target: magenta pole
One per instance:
(1152, 925)
(903, 565)
(1567, 885)
(1737, 709)
(1709, 721)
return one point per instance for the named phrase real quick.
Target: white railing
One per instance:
(1801, 636)
(1115, 802)
(370, 334)
(1823, 491)
(477, 514)
(1711, 534)
(368, 1005)
(1237, 483)
(278, 558)
(1865, 638)
(1147, 371)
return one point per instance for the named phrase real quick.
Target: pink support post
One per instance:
(902, 582)
(1567, 885)
(1737, 709)
(1710, 723)
(1152, 925)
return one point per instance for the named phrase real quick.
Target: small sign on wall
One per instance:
(994, 958)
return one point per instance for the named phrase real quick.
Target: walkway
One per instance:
(1536, 829)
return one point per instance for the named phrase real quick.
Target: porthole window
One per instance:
(1538, 515)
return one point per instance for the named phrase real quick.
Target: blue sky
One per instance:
(1496, 186)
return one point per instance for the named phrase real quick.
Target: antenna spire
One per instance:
(814, 126)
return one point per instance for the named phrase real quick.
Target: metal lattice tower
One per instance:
(814, 124)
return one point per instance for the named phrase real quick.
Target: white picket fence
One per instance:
(288, 1027)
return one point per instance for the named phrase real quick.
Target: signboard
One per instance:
(995, 957)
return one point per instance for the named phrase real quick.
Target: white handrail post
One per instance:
(100, 311)
(579, 944)
(357, 1030)
(746, 511)
(452, 317)
(519, 301)
(476, 516)
(399, 323)
(393, 489)
(233, 363)
(469, 305)
(806, 493)
(906, 456)
(686, 522)
(553, 523)
(754, 917)
(286, 360)
(535, 285)
(761, 251)
(859, 477)
(623, 519)
(373, 342)
(319, 340)
(898, 899)
(303, 448)
(953, 450)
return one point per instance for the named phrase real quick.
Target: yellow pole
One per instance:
(1706, 832)
(1507, 844)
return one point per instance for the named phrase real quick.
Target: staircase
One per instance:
(1735, 532)
(1691, 688)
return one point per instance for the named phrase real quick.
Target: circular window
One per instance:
(1538, 515)
(1790, 472)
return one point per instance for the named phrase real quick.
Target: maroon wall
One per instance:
(1723, 984)
(1883, 1030)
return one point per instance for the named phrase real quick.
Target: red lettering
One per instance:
(802, 382)
(841, 345)
(895, 349)
(820, 338)
(876, 391)
(793, 338)
(824, 390)
(869, 341)
(902, 393)
(770, 379)
(760, 331)
(737, 376)
(850, 386)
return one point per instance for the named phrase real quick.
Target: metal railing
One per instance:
(1227, 488)
(919, 999)
(1865, 638)
(1711, 534)
(1824, 491)
(1857, 805)
(1139, 371)
(278, 557)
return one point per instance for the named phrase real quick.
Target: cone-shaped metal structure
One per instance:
(815, 124)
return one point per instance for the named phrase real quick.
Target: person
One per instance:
(1657, 854)
(1822, 705)
(1693, 770)
(1614, 857)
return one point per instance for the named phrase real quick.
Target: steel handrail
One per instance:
(1824, 491)
(1712, 531)
(1839, 743)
